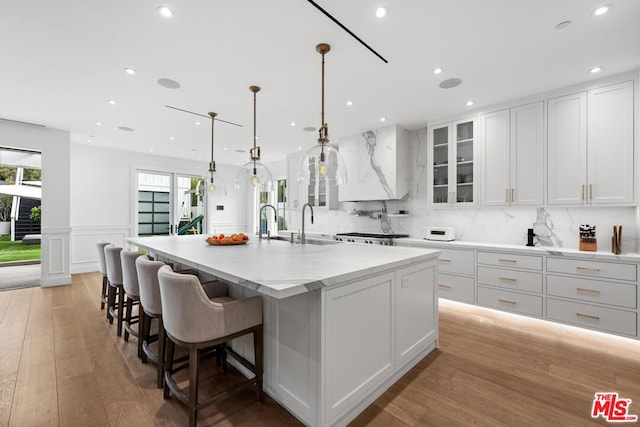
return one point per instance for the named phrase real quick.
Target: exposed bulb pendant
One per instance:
(215, 183)
(322, 162)
(259, 175)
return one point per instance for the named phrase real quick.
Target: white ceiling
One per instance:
(62, 60)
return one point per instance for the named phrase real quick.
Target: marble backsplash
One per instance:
(556, 226)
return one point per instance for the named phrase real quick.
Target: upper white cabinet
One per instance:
(377, 163)
(452, 148)
(512, 154)
(590, 147)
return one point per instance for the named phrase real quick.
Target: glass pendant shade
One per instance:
(215, 184)
(322, 163)
(255, 175)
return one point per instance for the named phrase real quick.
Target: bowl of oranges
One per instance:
(232, 239)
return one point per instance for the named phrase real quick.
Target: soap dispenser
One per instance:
(530, 236)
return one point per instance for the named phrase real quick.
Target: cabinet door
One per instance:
(610, 144)
(462, 178)
(494, 149)
(567, 149)
(527, 155)
(439, 145)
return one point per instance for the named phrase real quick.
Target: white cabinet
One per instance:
(377, 165)
(512, 154)
(452, 148)
(590, 147)
(456, 270)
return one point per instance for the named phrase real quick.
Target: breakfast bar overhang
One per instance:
(342, 323)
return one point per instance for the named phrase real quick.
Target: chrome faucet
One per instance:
(275, 217)
(302, 238)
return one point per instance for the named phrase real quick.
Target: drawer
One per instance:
(456, 261)
(510, 301)
(510, 279)
(456, 288)
(530, 262)
(591, 316)
(591, 290)
(602, 269)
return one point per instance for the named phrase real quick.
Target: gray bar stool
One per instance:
(114, 274)
(103, 269)
(194, 322)
(150, 308)
(131, 294)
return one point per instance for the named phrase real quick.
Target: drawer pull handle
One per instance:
(595, 291)
(444, 260)
(588, 316)
(588, 268)
(508, 279)
(506, 260)
(444, 286)
(507, 301)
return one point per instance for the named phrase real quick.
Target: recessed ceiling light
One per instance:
(125, 128)
(293, 124)
(151, 150)
(602, 10)
(595, 70)
(98, 123)
(381, 12)
(199, 157)
(171, 138)
(309, 129)
(469, 103)
(111, 101)
(266, 156)
(299, 148)
(198, 123)
(563, 25)
(349, 103)
(226, 148)
(437, 70)
(130, 71)
(165, 11)
(383, 119)
(89, 140)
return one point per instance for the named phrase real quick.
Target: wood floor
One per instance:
(62, 365)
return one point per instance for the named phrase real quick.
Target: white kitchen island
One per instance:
(342, 322)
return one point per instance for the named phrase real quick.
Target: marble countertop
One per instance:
(525, 250)
(280, 269)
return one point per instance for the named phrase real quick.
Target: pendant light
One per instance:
(215, 183)
(256, 174)
(322, 162)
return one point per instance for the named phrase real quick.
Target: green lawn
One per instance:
(16, 251)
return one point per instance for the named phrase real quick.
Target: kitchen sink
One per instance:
(309, 240)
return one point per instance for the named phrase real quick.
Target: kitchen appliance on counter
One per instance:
(444, 234)
(384, 239)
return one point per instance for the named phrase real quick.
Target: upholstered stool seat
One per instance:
(115, 296)
(103, 270)
(131, 294)
(194, 322)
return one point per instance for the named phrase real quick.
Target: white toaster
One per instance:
(446, 234)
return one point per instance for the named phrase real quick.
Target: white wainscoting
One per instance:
(84, 255)
(55, 257)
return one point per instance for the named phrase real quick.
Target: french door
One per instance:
(169, 203)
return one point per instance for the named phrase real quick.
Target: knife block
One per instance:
(590, 245)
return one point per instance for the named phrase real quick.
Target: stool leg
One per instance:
(258, 347)
(111, 302)
(128, 307)
(168, 365)
(104, 292)
(120, 309)
(142, 318)
(162, 343)
(193, 386)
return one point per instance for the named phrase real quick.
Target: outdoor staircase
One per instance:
(24, 224)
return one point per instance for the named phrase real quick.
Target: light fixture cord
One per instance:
(212, 165)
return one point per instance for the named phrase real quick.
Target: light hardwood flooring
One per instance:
(61, 364)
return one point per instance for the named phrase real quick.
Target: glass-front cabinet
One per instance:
(452, 149)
